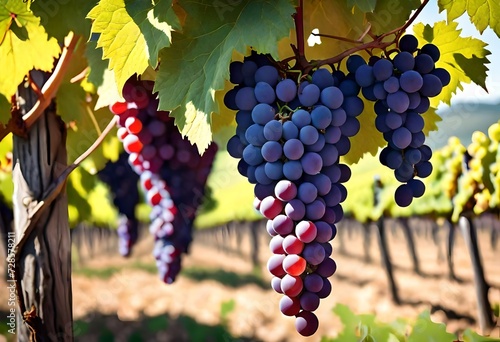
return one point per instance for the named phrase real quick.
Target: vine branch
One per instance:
(299, 50)
(47, 93)
(377, 42)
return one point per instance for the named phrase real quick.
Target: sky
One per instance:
(471, 92)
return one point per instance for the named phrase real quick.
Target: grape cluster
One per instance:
(172, 173)
(122, 181)
(401, 88)
(289, 138)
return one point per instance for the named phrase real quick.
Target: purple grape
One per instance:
(286, 90)
(332, 97)
(306, 323)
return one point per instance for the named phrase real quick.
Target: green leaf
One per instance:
(195, 67)
(471, 336)
(70, 99)
(391, 14)
(463, 57)
(20, 55)
(4, 109)
(61, 17)
(426, 330)
(130, 34)
(363, 5)
(96, 63)
(82, 135)
(482, 13)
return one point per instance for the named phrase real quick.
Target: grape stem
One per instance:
(48, 90)
(299, 50)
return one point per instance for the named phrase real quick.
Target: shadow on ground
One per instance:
(104, 328)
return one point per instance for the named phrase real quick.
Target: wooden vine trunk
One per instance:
(44, 260)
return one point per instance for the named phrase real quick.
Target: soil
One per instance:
(220, 296)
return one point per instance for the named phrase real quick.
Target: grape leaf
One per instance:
(426, 330)
(60, 17)
(21, 54)
(471, 336)
(369, 139)
(96, 63)
(107, 91)
(4, 109)
(195, 67)
(391, 14)
(324, 15)
(363, 5)
(82, 135)
(482, 13)
(130, 35)
(71, 97)
(431, 117)
(465, 58)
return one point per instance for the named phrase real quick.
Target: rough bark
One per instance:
(44, 259)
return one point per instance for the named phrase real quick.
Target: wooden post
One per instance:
(449, 249)
(483, 304)
(367, 242)
(410, 242)
(254, 240)
(43, 271)
(386, 260)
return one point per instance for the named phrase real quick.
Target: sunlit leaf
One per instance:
(465, 58)
(482, 13)
(22, 53)
(131, 36)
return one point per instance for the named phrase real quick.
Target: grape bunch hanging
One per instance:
(122, 181)
(290, 135)
(401, 88)
(172, 173)
(292, 130)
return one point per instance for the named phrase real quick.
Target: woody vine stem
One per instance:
(377, 42)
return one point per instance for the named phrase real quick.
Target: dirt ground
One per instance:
(219, 297)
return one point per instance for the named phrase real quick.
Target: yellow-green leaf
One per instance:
(107, 91)
(27, 47)
(131, 36)
(482, 13)
(369, 139)
(465, 58)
